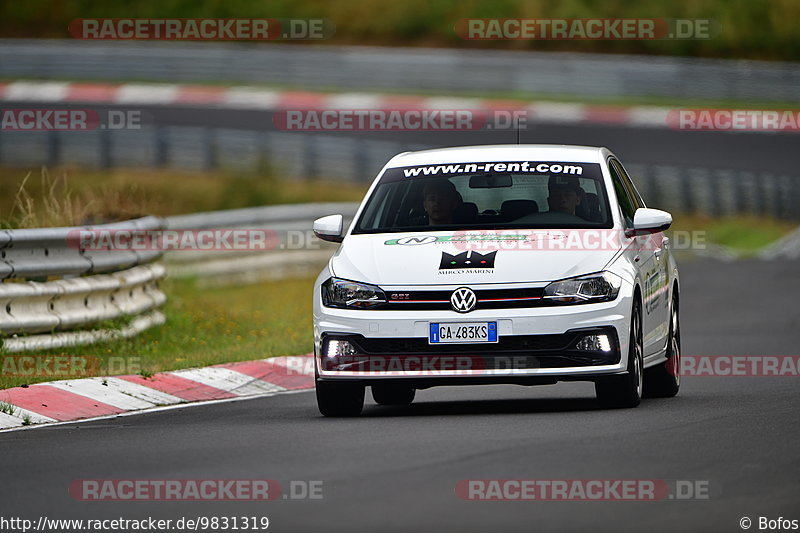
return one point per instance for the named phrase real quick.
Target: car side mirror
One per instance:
(647, 220)
(329, 228)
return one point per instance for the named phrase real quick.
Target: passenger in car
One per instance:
(564, 194)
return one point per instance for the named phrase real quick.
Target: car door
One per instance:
(659, 244)
(643, 257)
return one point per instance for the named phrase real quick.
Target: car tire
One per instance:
(340, 399)
(393, 394)
(616, 392)
(664, 380)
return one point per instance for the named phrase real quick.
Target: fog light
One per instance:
(594, 343)
(337, 348)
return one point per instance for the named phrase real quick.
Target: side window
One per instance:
(626, 180)
(626, 203)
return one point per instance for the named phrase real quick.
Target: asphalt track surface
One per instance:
(755, 152)
(395, 468)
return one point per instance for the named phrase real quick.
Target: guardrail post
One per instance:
(776, 201)
(795, 195)
(210, 153)
(53, 148)
(310, 168)
(759, 188)
(263, 147)
(686, 190)
(747, 186)
(105, 147)
(161, 147)
(786, 197)
(714, 188)
(739, 206)
(360, 163)
(650, 185)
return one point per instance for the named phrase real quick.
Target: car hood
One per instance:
(447, 258)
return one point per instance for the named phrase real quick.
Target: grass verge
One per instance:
(744, 233)
(38, 197)
(203, 327)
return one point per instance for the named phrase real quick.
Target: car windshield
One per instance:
(519, 194)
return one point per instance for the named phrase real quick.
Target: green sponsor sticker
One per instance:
(427, 239)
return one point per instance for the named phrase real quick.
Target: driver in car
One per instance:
(440, 200)
(564, 194)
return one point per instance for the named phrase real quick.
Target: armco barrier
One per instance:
(418, 69)
(53, 288)
(95, 286)
(287, 222)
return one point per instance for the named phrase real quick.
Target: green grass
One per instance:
(206, 327)
(39, 197)
(7, 408)
(747, 237)
(745, 233)
(763, 29)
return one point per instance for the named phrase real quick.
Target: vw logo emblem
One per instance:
(463, 300)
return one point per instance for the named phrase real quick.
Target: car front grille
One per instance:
(486, 299)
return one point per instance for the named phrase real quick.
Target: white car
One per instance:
(512, 264)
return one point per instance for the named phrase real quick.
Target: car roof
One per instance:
(502, 152)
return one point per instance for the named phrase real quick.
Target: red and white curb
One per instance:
(275, 100)
(62, 401)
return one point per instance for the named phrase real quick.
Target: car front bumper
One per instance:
(535, 345)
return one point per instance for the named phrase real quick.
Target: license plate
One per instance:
(462, 332)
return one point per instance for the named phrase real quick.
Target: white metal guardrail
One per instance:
(296, 252)
(79, 305)
(54, 288)
(418, 69)
(54, 252)
(104, 294)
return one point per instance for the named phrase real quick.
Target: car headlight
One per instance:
(351, 295)
(601, 287)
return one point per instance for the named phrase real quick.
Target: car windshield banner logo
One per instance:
(463, 300)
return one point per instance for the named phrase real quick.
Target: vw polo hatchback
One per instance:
(513, 264)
